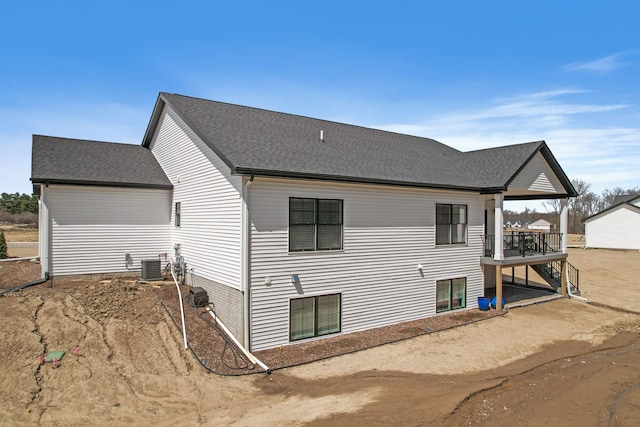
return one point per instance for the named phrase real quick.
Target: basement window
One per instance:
(314, 316)
(451, 294)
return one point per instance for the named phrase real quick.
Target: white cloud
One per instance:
(599, 66)
(605, 156)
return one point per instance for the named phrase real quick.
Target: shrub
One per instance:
(3, 246)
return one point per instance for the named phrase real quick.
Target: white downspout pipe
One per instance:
(44, 232)
(184, 329)
(250, 356)
(245, 261)
(19, 259)
(569, 289)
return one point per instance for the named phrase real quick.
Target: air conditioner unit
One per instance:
(150, 270)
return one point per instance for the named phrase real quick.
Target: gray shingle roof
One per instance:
(622, 198)
(261, 142)
(74, 161)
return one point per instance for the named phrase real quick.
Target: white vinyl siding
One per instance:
(210, 205)
(618, 228)
(387, 232)
(536, 177)
(92, 228)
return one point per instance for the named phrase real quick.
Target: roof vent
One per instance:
(322, 135)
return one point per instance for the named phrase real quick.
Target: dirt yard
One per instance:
(563, 362)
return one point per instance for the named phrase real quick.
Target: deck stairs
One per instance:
(551, 273)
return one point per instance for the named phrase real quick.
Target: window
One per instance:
(314, 316)
(177, 218)
(451, 294)
(315, 224)
(451, 224)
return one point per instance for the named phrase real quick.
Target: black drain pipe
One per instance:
(25, 285)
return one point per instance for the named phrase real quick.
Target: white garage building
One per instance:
(617, 227)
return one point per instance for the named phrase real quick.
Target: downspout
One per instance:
(27, 258)
(184, 327)
(246, 352)
(569, 289)
(245, 274)
(44, 234)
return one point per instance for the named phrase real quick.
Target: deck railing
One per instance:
(524, 243)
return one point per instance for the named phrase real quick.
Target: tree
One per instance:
(19, 203)
(3, 246)
(582, 206)
(608, 196)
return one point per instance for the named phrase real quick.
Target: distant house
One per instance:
(617, 227)
(298, 228)
(541, 225)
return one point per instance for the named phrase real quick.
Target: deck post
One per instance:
(563, 279)
(498, 287)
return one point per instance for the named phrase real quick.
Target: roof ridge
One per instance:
(83, 140)
(536, 143)
(231, 104)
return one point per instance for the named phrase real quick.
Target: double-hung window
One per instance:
(314, 316)
(315, 224)
(451, 224)
(451, 294)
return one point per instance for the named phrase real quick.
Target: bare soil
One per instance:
(563, 362)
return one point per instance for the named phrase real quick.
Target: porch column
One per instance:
(498, 246)
(564, 223)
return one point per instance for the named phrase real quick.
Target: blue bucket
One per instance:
(483, 303)
(493, 302)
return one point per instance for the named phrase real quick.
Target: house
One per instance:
(617, 227)
(540, 224)
(511, 225)
(298, 228)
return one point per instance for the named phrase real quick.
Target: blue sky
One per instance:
(471, 74)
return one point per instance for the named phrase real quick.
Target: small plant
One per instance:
(3, 246)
